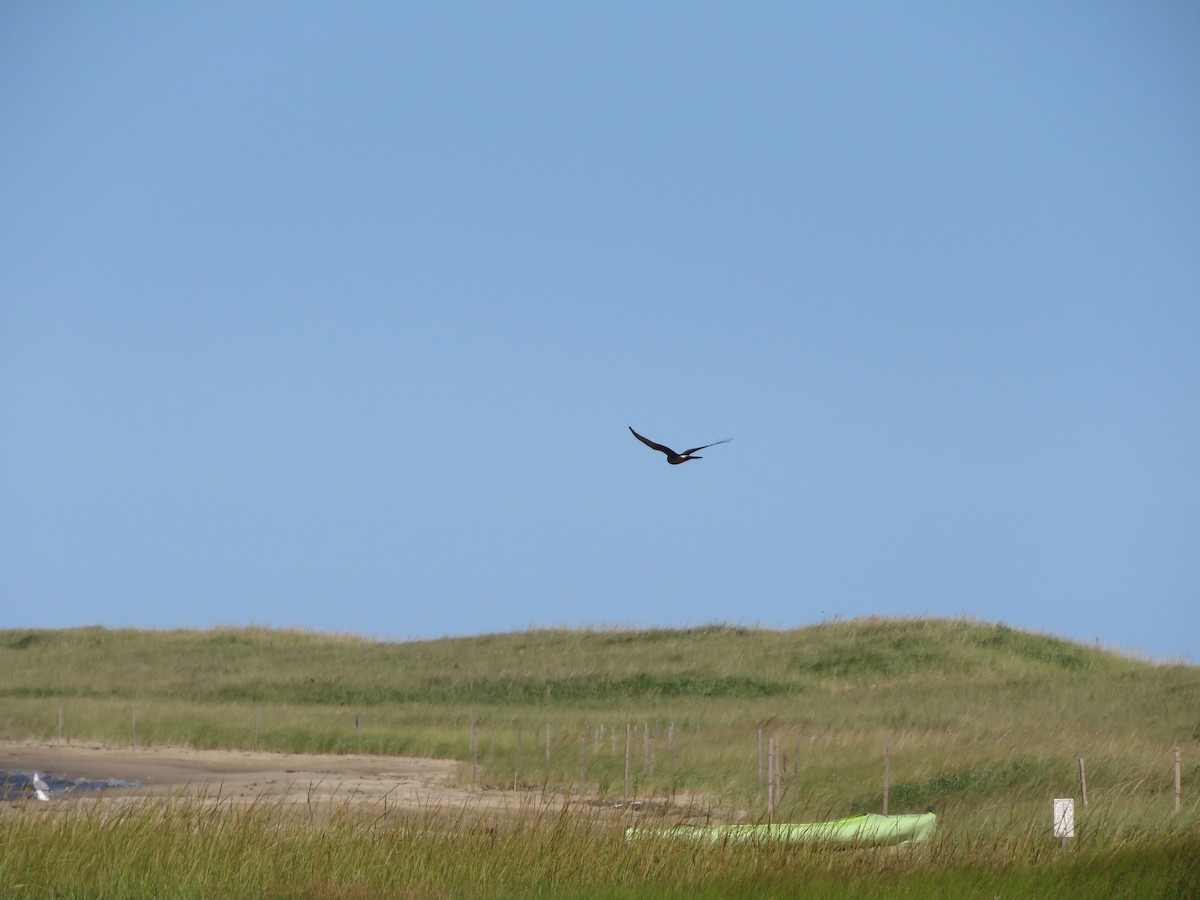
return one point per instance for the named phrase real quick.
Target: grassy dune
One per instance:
(984, 722)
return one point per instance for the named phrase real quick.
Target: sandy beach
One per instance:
(323, 780)
(237, 774)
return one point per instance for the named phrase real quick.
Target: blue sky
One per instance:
(335, 315)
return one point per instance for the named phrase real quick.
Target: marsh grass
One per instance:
(984, 723)
(190, 847)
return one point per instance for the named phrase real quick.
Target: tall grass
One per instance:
(185, 847)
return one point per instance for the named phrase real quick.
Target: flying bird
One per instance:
(672, 457)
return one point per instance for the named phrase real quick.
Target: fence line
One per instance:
(773, 774)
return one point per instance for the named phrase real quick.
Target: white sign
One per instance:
(1064, 818)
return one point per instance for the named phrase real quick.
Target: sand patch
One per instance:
(323, 780)
(167, 771)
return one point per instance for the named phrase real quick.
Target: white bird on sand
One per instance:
(40, 787)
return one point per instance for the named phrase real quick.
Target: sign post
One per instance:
(1064, 819)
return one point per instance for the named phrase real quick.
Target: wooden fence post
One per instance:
(474, 752)
(517, 758)
(628, 741)
(760, 757)
(770, 779)
(781, 774)
(887, 772)
(1082, 782)
(1178, 786)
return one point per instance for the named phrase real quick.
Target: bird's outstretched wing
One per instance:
(649, 443)
(706, 446)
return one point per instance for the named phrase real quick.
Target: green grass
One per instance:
(185, 848)
(983, 722)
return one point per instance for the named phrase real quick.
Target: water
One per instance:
(25, 784)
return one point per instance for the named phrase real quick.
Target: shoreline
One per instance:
(245, 775)
(329, 780)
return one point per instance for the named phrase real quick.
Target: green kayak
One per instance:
(866, 829)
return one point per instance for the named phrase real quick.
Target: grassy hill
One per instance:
(966, 708)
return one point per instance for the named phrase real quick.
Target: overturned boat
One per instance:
(863, 830)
